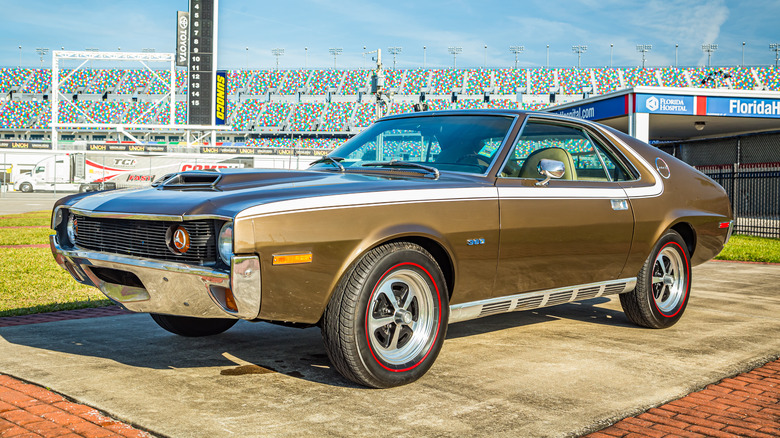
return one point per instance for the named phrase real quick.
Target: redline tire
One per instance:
(192, 327)
(663, 285)
(387, 320)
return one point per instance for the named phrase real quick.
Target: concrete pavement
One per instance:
(18, 202)
(559, 371)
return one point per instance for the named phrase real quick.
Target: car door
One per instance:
(565, 232)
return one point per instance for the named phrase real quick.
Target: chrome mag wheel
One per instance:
(400, 317)
(669, 282)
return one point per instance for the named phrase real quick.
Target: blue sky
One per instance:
(410, 24)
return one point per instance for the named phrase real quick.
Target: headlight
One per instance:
(72, 229)
(225, 243)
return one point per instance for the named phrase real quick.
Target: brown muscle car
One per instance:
(419, 221)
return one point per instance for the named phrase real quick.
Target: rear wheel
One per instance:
(192, 327)
(387, 320)
(663, 285)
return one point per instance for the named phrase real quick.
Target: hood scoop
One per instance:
(190, 180)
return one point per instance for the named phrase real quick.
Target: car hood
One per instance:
(241, 189)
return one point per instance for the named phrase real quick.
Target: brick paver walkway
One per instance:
(747, 405)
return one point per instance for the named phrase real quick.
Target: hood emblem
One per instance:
(181, 240)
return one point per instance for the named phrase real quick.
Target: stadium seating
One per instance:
(640, 77)
(12, 78)
(39, 81)
(243, 117)
(354, 82)
(393, 79)
(104, 81)
(446, 81)
(322, 81)
(365, 114)
(274, 115)
(336, 116)
(479, 81)
(416, 81)
(607, 80)
(673, 77)
(73, 82)
(305, 116)
(542, 80)
(265, 112)
(573, 80)
(292, 82)
(508, 81)
(134, 80)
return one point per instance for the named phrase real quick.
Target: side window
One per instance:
(583, 158)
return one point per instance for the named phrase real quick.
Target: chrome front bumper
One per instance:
(170, 288)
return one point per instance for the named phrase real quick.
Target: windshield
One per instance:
(461, 143)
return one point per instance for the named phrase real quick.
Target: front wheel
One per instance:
(192, 327)
(26, 188)
(663, 285)
(387, 320)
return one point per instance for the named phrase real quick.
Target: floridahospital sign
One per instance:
(674, 104)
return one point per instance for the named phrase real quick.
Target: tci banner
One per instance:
(663, 104)
(741, 107)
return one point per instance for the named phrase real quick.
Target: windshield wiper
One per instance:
(395, 163)
(329, 159)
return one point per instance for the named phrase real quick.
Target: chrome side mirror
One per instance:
(550, 169)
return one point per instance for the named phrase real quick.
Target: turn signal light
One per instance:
(230, 300)
(724, 225)
(292, 259)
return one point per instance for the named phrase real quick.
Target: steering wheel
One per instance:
(474, 159)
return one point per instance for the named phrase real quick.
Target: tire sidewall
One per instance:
(670, 240)
(394, 374)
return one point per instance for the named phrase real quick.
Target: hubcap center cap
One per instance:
(668, 280)
(403, 317)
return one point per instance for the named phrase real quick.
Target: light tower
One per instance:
(516, 50)
(42, 51)
(395, 51)
(579, 50)
(644, 48)
(775, 47)
(454, 51)
(335, 51)
(277, 52)
(709, 49)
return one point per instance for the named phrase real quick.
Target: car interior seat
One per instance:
(529, 168)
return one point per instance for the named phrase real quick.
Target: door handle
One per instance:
(619, 204)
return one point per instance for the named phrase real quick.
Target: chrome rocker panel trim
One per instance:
(538, 299)
(169, 288)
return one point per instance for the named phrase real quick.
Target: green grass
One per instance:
(30, 279)
(24, 236)
(751, 249)
(36, 218)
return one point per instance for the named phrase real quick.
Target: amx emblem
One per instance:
(181, 240)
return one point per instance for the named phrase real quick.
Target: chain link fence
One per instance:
(748, 167)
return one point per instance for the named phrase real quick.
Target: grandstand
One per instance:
(267, 107)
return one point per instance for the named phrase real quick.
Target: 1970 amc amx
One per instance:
(419, 221)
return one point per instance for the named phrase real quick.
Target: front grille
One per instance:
(147, 239)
